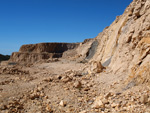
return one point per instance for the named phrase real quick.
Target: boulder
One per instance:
(96, 67)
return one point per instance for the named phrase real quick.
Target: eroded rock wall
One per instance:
(48, 47)
(120, 41)
(85, 50)
(35, 52)
(32, 57)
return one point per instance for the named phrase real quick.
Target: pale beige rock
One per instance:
(108, 95)
(98, 103)
(63, 103)
(113, 105)
(39, 89)
(96, 67)
(49, 109)
(83, 111)
(77, 84)
(144, 99)
(105, 101)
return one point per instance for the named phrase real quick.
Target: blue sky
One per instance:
(35, 21)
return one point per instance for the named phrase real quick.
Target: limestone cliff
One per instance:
(34, 52)
(124, 46)
(48, 47)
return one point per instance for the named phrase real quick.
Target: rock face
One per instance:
(35, 52)
(85, 50)
(29, 57)
(48, 47)
(124, 46)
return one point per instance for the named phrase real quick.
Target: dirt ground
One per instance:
(62, 86)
